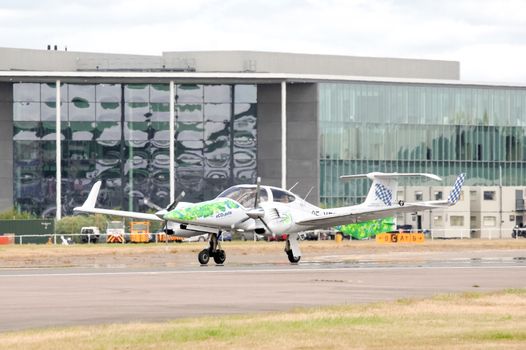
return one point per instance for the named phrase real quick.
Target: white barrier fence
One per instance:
(484, 234)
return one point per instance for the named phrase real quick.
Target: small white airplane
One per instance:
(268, 210)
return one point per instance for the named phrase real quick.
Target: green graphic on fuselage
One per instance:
(202, 210)
(367, 229)
(287, 219)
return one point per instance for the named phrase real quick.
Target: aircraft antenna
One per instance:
(308, 193)
(290, 189)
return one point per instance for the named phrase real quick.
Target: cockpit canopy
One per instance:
(246, 195)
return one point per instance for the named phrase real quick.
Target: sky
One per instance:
(487, 37)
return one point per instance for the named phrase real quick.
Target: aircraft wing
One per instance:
(89, 207)
(360, 214)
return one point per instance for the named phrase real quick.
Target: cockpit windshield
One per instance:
(246, 196)
(282, 196)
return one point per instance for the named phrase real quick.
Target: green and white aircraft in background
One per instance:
(367, 229)
(269, 210)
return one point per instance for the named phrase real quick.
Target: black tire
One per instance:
(219, 257)
(203, 256)
(293, 259)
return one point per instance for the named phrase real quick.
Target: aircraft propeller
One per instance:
(256, 213)
(161, 213)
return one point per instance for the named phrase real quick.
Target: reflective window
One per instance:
(108, 111)
(160, 93)
(108, 93)
(26, 111)
(26, 92)
(189, 93)
(81, 110)
(189, 112)
(48, 92)
(218, 112)
(81, 93)
(48, 111)
(245, 93)
(399, 127)
(26, 131)
(160, 112)
(119, 133)
(137, 92)
(218, 93)
(137, 111)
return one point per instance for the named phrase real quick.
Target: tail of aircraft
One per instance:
(383, 189)
(454, 195)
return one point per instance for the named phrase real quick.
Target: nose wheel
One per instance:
(293, 259)
(213, 251)
(292, 248)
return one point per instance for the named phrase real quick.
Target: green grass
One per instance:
(452, 321)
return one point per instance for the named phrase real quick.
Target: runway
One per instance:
(32, 298)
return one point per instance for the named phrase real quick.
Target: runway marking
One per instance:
(288, 270)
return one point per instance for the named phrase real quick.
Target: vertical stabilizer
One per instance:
(382, 191)
(454, 195)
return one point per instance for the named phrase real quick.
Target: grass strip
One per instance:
(452, 321)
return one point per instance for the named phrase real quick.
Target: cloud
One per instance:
(488, 37)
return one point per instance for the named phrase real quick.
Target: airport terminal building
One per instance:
(153, 126)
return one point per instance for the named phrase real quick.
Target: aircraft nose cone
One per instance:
(256, 213)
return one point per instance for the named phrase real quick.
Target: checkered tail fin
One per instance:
(382, 192)
(454, 196)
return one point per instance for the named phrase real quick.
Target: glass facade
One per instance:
(119, 133)
(440, 129)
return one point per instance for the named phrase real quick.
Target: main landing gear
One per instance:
(213, 251)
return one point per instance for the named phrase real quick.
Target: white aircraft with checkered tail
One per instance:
(270, 210)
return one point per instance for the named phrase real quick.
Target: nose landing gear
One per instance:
(292, 248)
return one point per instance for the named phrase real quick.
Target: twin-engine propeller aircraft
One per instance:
(269, 210)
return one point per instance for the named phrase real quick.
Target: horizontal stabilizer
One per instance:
(379, 175)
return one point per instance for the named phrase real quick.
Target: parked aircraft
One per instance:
(267, 210)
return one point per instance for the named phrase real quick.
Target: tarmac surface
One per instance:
(54, 297)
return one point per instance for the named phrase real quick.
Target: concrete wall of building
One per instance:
(481, 216)
(302, 135)
(6, 146)
(453, 222)
(269, 134)
(51, 60)
(277, 62)
(230, 61)
(487, 220)
(303, 153)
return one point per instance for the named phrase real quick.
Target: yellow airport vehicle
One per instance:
(140, 231)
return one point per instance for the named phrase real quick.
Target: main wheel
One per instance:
(203, 256)
(292, 258)
(219, 257)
